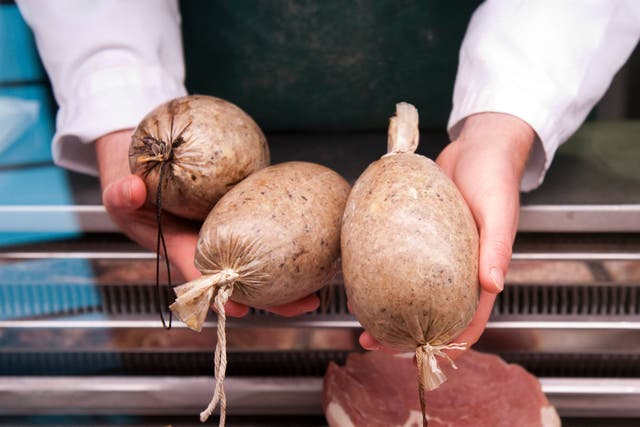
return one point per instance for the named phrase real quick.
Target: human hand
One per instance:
(486, 163)
(124, 197)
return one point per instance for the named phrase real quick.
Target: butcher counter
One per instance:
(81, 341)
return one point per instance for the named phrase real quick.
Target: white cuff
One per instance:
(105, 101)
(509, 101)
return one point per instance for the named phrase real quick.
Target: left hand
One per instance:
(486, 163)
(124, 197)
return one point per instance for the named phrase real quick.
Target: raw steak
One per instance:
(380, 390)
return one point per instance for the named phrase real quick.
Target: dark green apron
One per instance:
(326, 65)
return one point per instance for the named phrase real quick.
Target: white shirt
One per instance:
(545, 61)
(110, 63)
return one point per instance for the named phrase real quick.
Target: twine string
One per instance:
(430, 376)
(219, 396)
(160, 243)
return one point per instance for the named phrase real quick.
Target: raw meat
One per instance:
(380, 390)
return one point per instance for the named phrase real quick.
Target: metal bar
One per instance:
(102, 335)
(316, 322)
(561, 337)
(576, 256)
(533, 218)
(584, 397)
(563, 325)
(594, 397)
(580, 218)
(128, 255)
(156, 395)
(143, 255)
(55, 218)
(154, 323)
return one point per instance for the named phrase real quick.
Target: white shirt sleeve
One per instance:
(110, 62)
(546, 62)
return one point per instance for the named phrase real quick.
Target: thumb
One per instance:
(497, 219)
(124, 195)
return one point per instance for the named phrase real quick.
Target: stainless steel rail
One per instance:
(571, 309)
(580, 218)
(528, 247)
(56, 218)
(313, 334)
(260, 396)
(136, 255)
(584, 397)
(156, 395)
(533, 218)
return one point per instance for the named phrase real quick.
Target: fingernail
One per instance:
(497, 278)
(374, 347)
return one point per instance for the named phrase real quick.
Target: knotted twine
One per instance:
(430, 376)
(162, 156)
(198, 294)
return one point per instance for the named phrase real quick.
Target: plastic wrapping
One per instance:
(273, 239)
(205, 146)
(410, 252)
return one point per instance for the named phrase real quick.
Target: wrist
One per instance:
(112, 152)
(507, 133)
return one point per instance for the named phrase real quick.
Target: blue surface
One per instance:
(19, 60)
(46, 185)
(25, 177)
(37, 288)
(34, 145)
(36, 186)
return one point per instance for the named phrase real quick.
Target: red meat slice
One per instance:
(380, 390)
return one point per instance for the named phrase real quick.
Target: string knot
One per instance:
(227, 277)
(431, 373)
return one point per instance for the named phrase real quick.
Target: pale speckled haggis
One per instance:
(410, 252)
(206, 144)
(280, 230)
(273, 239)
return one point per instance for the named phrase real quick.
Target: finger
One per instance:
(498, 221)
(369, 343)
(181, 248)
(124, 195)
(478, 323)
(304, 305)
(235, 309)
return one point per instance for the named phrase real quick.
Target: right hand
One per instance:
(124, 197)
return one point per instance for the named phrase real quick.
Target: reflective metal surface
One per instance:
(157, 395)
(79, 332)
(260, 396)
